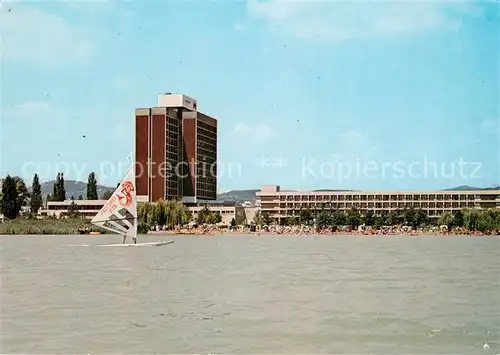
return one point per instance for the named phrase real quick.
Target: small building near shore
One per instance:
(228, 211)
(86, 208)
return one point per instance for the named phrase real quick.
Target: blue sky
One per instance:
(308, 95)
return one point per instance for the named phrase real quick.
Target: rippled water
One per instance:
(251, 295)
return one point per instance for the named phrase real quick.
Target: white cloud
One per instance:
(259, 132)
(342, 20)
(490, 126)
(31, 109)
(33, 36)
(123, 82)
(89, 5)
(238, 27)
(353, 142)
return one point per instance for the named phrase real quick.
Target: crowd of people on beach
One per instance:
(311, 230)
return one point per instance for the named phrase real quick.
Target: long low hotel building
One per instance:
(282, 204)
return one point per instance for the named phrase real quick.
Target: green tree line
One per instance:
(171, 213)
(14, 195)
(471, 219)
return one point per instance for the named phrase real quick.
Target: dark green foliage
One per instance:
(58, 190)
(446, 219)
(305, 216)
(64, 226)
(458, 219)
(216, 217)
(73, 210)
(324, 219)
(36, 196)
(22, 192)
(266, 219)
(409, 216)
(142, 228)
(420, 218)
(10, 198)
(92, 187)
(379, 221)
(204, 216)
(62, 190)
(369, 218)
(339, 218)
(394, 218)
(353, 218)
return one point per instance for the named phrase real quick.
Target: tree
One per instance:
(353, 218)
(257, 218)
(73, 209)
(55, 189)
(380, 221)
(204, 215)
(58, 190)
(421, 218)
(266, 219)
(369, 219)
(305, 216)
(36, 195)
(22, 192)
(324, 220)
(217, 217)
(446, 219)
(187, 217)
(458, 219)
(107, 194)
(80, 197)
(62, 190)
(338, 218)
(10, 198)
(471, 219)
(233, 223)
(394, 218)
(409, 216)
(92, 187)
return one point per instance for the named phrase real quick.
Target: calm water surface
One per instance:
(251, 295)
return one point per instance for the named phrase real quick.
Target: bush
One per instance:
(142, 228)
(65, 226)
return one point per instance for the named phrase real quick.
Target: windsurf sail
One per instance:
(119, 214)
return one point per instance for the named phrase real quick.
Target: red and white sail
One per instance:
(119, 214)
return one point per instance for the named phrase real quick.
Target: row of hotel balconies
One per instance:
(399, 198)
(395, 205)
(295, 213)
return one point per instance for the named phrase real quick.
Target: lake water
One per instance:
(251, 295)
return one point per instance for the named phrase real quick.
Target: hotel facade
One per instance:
(280, 204)
(175, 151)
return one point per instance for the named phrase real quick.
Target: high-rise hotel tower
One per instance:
(175, 151)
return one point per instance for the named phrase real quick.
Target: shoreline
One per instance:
(83, 227)
(269, 234)
(323, 234)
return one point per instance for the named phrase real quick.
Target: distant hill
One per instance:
(466, 187)
(73, 188)
(238, 195)
(77, 188)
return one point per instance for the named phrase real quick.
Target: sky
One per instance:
(308, 95)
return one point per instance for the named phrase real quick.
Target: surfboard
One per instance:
(151, 244)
